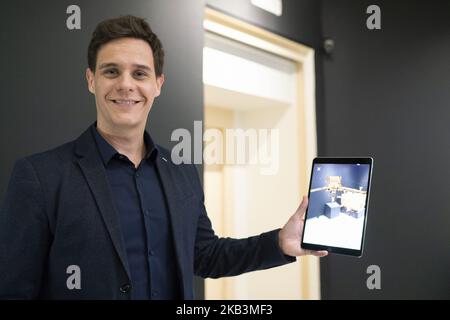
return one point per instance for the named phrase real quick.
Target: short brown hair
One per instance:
(125, 27)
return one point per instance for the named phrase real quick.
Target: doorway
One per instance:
(258, 87)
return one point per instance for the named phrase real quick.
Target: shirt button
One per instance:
(154, 293)
(125, 288)
(137, 175)
(147, 212)
(151, 253)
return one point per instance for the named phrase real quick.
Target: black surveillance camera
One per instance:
(328, 45)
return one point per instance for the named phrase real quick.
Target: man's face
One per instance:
(124, 83)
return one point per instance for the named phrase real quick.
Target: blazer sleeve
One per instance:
(222, 257)
(24, 235)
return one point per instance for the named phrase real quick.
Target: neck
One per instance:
(129, 141)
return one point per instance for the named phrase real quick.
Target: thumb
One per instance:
(301, 211)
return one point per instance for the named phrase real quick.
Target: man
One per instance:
(109, 216)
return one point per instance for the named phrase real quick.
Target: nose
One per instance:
(125, 83)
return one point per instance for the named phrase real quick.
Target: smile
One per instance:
(125, 102)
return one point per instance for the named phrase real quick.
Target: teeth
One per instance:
(129, 102)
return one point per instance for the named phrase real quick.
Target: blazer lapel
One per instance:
(92, 167)
(174, 193)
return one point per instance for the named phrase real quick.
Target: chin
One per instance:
(125, 121)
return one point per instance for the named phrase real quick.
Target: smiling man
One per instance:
(109, 216)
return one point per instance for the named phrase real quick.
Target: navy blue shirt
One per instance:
(144, 221)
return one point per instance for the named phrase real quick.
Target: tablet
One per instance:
(338, 196)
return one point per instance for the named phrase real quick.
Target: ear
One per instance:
(159, 84)
(90, 80)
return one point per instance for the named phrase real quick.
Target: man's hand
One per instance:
(290, 236)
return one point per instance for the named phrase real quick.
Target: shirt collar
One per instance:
(107, 151)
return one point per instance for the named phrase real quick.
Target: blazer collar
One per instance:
(91, 165)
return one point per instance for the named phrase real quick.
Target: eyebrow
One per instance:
(112, 64)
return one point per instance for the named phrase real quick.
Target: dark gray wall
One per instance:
(45, 101)
(387, 95)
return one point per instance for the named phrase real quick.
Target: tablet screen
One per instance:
(338, 199)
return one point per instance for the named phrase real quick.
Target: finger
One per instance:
(302, 208)
(321, 253)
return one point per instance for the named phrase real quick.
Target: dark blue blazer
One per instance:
(58, 212)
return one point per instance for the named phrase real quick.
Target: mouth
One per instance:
(125, 102)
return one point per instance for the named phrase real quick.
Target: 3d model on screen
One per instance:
(346, 200)
(337, 205)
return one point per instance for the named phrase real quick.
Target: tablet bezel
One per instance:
(340, 160)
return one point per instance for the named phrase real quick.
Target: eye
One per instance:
(139, 74)
(110, 72)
